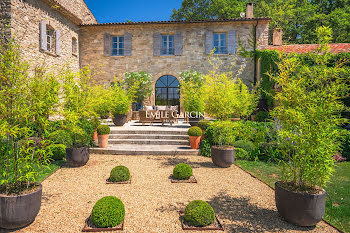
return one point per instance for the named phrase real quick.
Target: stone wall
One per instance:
(80, 9)
(25, 27)
(143, 59)
(5, 18)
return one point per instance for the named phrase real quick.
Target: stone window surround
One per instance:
(75, 46)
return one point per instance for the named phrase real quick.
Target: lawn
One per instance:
(51, 168)
(338, 190)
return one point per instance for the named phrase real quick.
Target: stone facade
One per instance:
(25, 21)
(142, 57)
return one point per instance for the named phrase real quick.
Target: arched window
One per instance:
(167, 91)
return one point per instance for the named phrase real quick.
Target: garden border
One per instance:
(207, 228)
(191, 180)
(88, 228)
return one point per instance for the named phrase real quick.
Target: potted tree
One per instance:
(191, 86)
(103, 135)
(194, 134)
(141, 83)
(225, 97)
(309, 113)
(122, 100)
(22, 149)
(102, 101)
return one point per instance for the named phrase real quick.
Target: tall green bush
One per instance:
(309, 110)
(122, 100)
(141, 83)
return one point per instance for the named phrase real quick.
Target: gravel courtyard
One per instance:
(242, 203)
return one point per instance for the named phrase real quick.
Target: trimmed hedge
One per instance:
(103, 130)
(108, 212)
(194, 131)
(199, 214)
(119, 174)
(61, 137)
(58, 151)
(182, 171)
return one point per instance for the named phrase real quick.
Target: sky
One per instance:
(108, 11)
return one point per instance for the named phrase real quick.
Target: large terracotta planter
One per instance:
(194, 141)
(103, 140)
(19, 211)
(301, 209)
(77, 157)
(94, 136)
(223, 156)
(119, 120)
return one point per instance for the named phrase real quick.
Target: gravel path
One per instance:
(242, 203)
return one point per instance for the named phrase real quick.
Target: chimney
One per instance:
(249, 10)
(277, 37)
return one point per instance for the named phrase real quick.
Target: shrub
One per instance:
(192, 91)
(194, 131)
(346, 146)
(103, 129)
(203, 124)
(95, 122)
(119, 174)
(122, 100)
(141, 82)
(205, 148)
(58, 151)
(199, 214)
(182, 171)
(269, 152)
(243, 149)
(61, 137)
(108, 212)
(103, 110)
(262, 116)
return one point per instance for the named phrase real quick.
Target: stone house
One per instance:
(59, 32)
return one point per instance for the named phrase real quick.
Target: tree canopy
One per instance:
(298, 18)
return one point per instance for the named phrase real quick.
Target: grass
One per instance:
(338, 190)
(47, 171)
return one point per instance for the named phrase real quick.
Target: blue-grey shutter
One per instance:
(127, 44)
(107, 44)
(58, 42)
(178, 43)
(209, 43)
(43, 35)
(231, 42)
(156, 44)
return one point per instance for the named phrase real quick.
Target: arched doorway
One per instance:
(167, 91)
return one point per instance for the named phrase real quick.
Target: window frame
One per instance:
(118, 47)
(167, 50)
(219, 49)
(50, 39)
(74, 46)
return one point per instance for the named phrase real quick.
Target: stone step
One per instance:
(168, 132)
(148, 136)
(148, 141)
(145, 150)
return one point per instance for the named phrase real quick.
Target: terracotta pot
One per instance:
(19, 211)
(77, 157)
(235, 119)
(194, 141)
(94, 137)
(103, 140)
(223, 156)
(302, 209)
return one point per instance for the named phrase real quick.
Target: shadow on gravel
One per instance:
(166, 162)
(249, 217)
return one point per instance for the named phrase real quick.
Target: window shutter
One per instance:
(127, 44)
(107, 44)
(231, 42)
(43, 36)
(178, 43)
(58, 42)
(156, 44)
(209, 44)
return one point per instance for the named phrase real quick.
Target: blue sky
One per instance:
(107, 11)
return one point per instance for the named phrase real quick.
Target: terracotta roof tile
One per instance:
(304, 48)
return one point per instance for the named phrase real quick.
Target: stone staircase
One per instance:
(135, 139)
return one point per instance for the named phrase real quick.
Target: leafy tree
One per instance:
(141, 82)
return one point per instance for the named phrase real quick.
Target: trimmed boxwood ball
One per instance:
(103, 130)
(199, 214)
(108, 212)
(119, 174)
(182, 171)
(58, 151)
(194, 131)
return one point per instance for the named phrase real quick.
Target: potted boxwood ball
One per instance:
(108, 212)
(194, 134)
(103, 135)
(199, 214)
(119, 174)
(122, 101)
(182, 171)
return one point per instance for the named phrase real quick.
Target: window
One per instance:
(118, 46)
(220, 43)
(50, 33)
(74, 46)
(167, 47)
